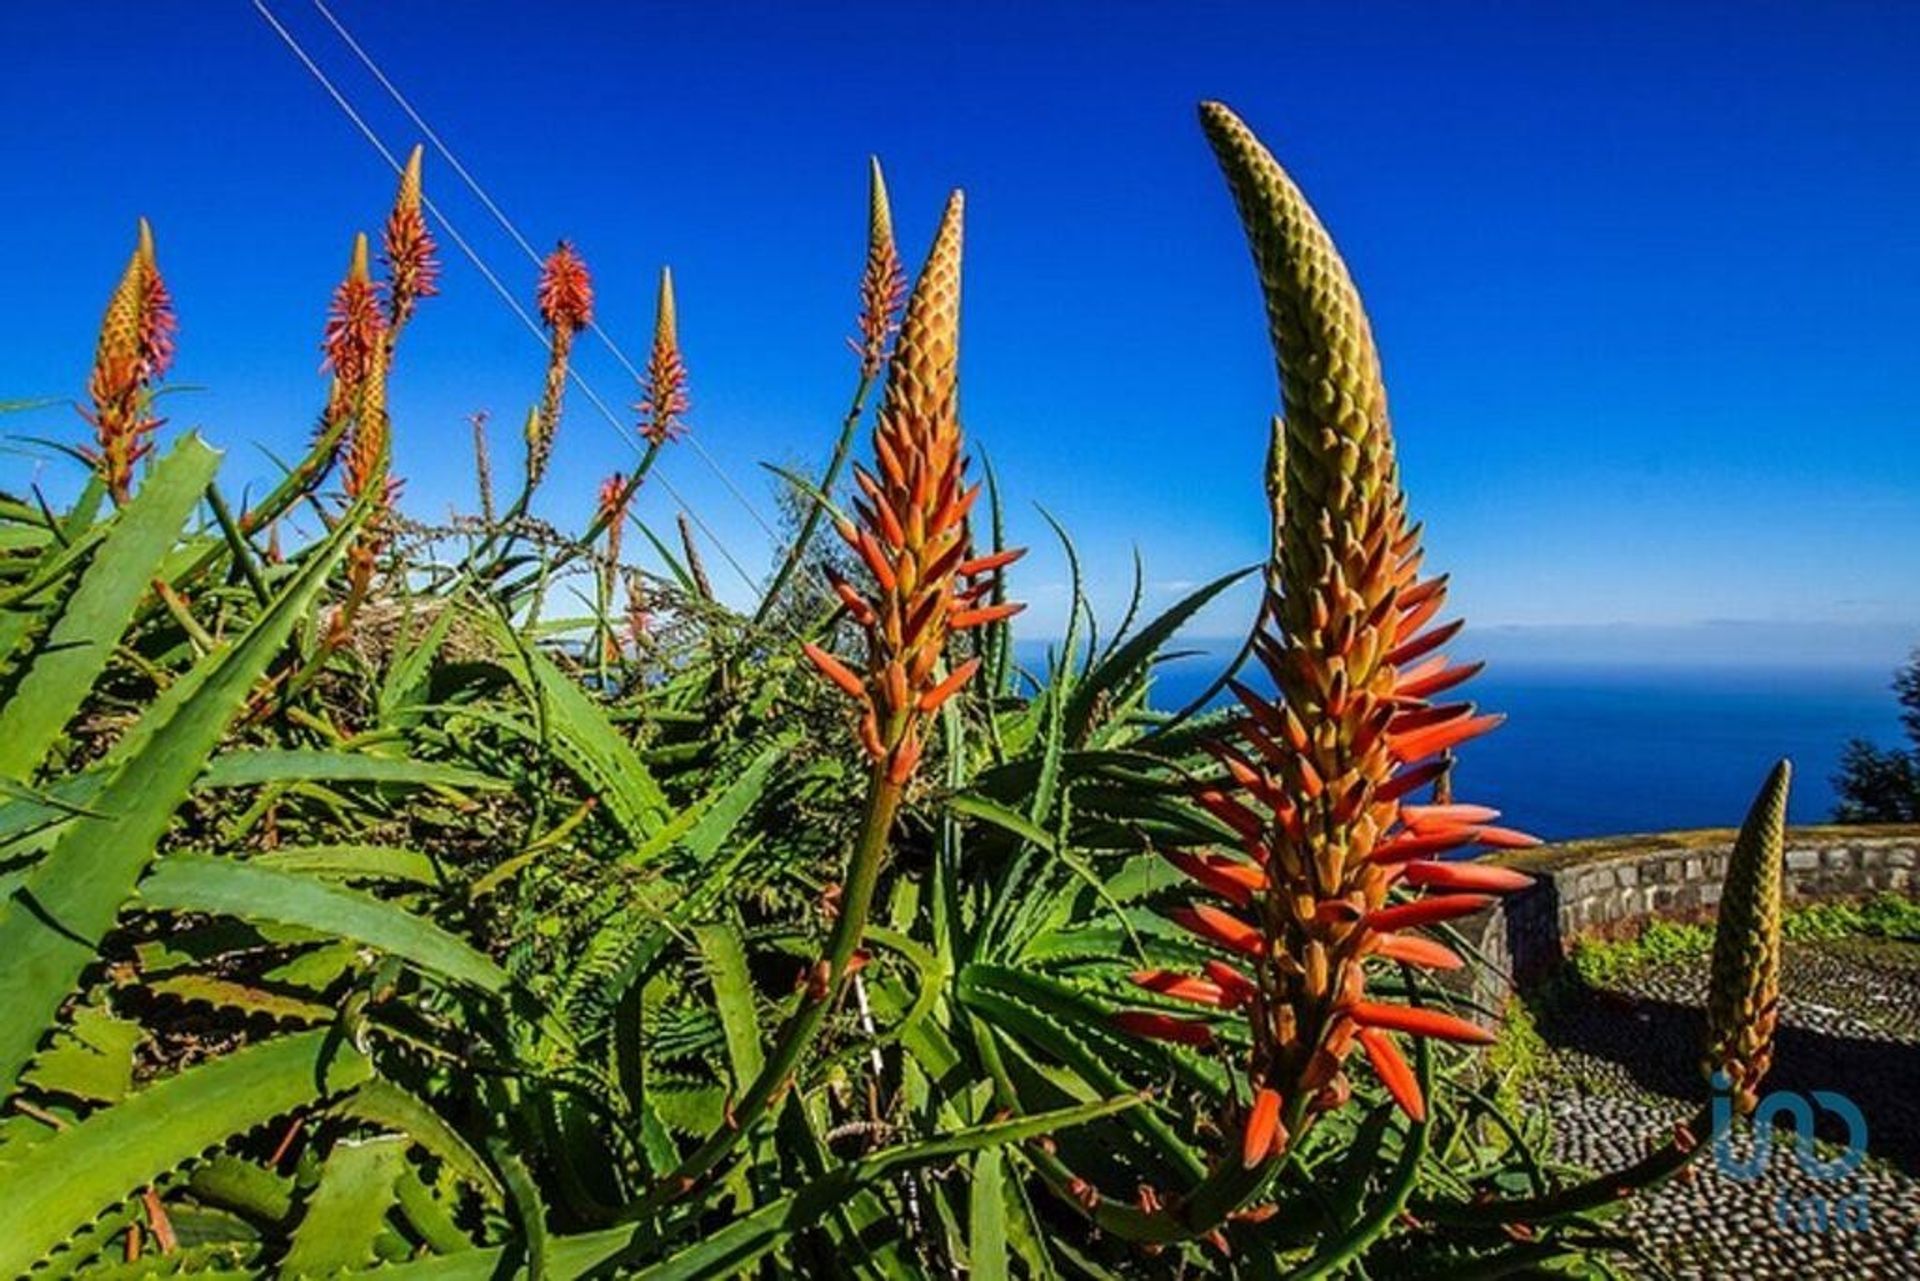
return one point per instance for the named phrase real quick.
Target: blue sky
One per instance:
(1645, 276)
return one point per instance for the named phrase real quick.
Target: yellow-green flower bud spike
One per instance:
(1743, 999)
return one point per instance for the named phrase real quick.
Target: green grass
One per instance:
(1604, 963)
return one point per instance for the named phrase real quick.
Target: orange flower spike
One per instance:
(356, 326)
(1264, 1135)
(1348, 643)
(408, 248)
(1394, 1073)
(911, 531)
(565, 291)
(356, 353)
(134, 351)
(882, 284)
(565, 298)
(665, 381)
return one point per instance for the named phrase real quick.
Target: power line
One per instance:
(526, 246)
(480, 265)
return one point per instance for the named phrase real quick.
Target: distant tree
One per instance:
(1883, 785)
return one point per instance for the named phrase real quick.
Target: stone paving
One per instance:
(1622, 1069)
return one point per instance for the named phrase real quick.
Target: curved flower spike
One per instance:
(1319, 789)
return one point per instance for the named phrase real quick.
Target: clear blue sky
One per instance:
(1646, 277)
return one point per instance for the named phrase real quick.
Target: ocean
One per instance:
(1603, 749)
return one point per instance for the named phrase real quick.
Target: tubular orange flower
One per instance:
(912, 532)
(1264, 1136)
(1348, 639)
(665, 385)
(1393, 1072)
(565, 297)
(134, 351)
(408, 248)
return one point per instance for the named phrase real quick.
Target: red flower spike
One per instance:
(1394, 1073)
(1466, 876)
(1222, 928)
(565, 291)
(1426, 911)
(1264, 1134)
(1416, 950)
(1164, 1027)
(1418, 1022)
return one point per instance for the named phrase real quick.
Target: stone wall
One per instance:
(1609, 886)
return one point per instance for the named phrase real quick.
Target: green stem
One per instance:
(804, 1024)
(301, 480)
(1656, 1166)
(841, 448)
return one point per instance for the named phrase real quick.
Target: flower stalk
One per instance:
(882, 288)
(664, 403)
(913, 535)
(565, 298)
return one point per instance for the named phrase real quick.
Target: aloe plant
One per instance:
(370, 904)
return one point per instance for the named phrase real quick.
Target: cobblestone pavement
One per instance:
(1623, 1070)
